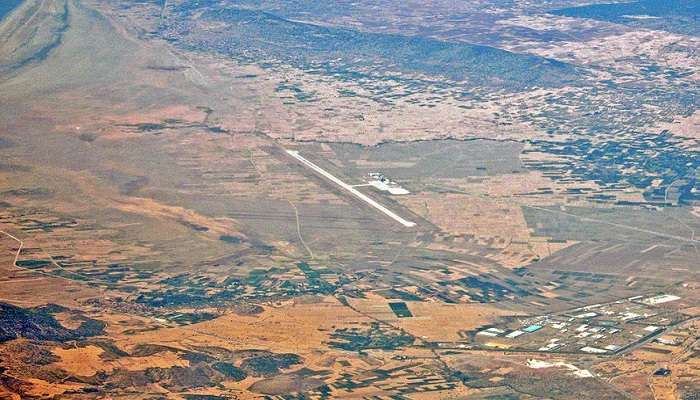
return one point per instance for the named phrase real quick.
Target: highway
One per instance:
(350, 189)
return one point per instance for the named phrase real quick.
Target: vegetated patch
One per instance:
(623, 163)
(87, 137)
(190, 318)
(37, 324)
(184, 294)
(5, 167)
(167, 68)
(173, 298)
(216, 129)
(37, 192)
(262, 248)
(110, 351)
(230, 371)
(354, 54)
(29, 353)
(27, 45)
(149, 127)
(399, 295)
(308, 271)
(154, 128)
(375, 337)
(6, 143)
(148, 349)
(677, 16)
(401, 310)
(265, 364)
(247, 309)
(485, 290)
(230, 239)
(134, 185)
(182, 377)
(195, 227)
(34, 264)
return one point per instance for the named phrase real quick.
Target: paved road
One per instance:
(19, 249)
(350, 189)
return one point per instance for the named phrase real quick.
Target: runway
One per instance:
(350, 189)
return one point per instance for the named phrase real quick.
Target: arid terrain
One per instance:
(235, 199)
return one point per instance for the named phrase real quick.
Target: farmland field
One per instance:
(234, 199)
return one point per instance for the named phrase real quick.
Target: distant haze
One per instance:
(6, 6)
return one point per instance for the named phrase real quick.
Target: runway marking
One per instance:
(350, 189)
